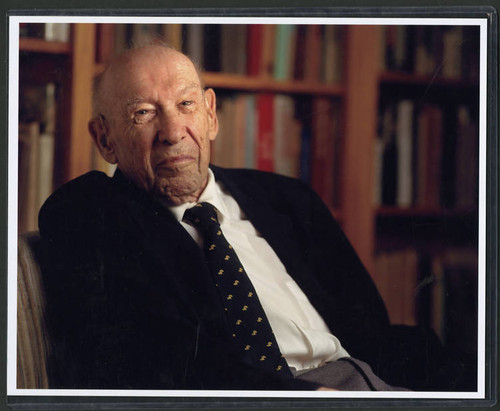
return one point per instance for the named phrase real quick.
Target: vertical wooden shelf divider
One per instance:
(363, 54)
(80, 142)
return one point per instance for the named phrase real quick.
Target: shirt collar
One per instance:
(211, 194)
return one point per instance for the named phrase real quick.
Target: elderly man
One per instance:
(177, 275)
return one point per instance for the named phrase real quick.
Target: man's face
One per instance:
(160, 123)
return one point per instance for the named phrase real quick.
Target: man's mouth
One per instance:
(174, 161)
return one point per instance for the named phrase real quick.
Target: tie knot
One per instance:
(202, 215)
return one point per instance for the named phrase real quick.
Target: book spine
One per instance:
(172, 34)
(404, 141)
(283, 51)
(286, 137)
(314, 39)
(323, 144)
(194, 43)
(254, 47)
(268, 48)
(265, 138)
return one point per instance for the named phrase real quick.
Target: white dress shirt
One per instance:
(303, 337)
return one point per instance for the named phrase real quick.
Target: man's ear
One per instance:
(99, 133)
(212, 113)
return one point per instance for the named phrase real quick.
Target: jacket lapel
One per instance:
(279, 231)
(179, 264)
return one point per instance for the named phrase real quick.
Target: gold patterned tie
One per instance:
(249, 327)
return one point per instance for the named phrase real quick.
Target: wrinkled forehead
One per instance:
(138, 68)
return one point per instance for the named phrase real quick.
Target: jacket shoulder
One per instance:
(75, 201)
(267, 182)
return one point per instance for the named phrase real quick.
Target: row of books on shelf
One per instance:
(36, 157)
(426, 156)
(47, 31)
(275, 132)
(36, 132)
(449, 51)
(446, 282)
(282, 52)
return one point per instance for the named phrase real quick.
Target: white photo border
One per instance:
(14, 23)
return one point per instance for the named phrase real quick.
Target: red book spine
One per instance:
(254, 47)
(265, 138)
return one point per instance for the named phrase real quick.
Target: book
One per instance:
(254, 47)
(45, 168)
(172, 35)
(268, 50)
(106, 45)
(286, 137)
(323, 148)
(239, 131)
(144, 34)
(234, 48)
(283, 51)
(404, 142)
(121, 40)
(251, 127)
(46, 147)
(429, 156)
(314, 39)
(57, 32)
(28, 155)
(396, 278)
(36, 30)
(385, 136)
(194, 43)
(300, 53)
(388, 180)
(37, 131)
(305, 153)
(331, 69)
(211, 47)
(424, 57)
(466, 161)
(390, 39)
(223, 146)
(452, 53)
(265, 136)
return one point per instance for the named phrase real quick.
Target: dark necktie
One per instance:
(249, 327)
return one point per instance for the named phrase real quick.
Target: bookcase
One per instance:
(337, 107)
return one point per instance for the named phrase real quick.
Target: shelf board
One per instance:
(43, 46)
(250, 83)
(240, 82)
(388, 211)
(422, 80)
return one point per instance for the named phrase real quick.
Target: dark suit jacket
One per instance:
(132, 303)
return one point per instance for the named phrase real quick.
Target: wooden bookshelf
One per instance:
(37, 45)
(416, 212)
(364, 86)
(258, 84)
(423, 80)
(249, 83)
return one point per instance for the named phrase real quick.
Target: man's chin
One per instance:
(178, 192)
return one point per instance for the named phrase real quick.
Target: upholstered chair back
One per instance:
(33, 345)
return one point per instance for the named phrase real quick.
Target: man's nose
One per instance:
(171, 128)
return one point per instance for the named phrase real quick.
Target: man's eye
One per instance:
(187, 102)
(142, 116)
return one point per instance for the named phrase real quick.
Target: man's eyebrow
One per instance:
(135, 101)
(192, 86)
